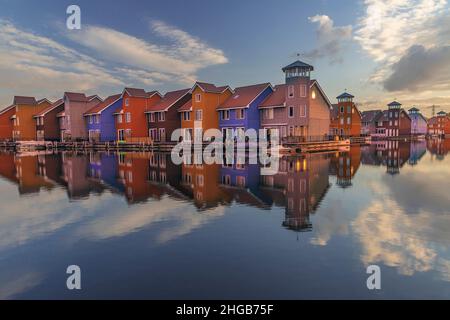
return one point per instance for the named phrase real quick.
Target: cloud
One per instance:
(389, 28)
(32, 64)
(330, 39)
(421, 68)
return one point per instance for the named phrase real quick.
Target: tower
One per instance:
(297, 70)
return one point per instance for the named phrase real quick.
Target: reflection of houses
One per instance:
(298, 109)
(133, 175)
(27, 170)
(438, 148)
(345, 117)
(8, 167)
(345, 165)
(74, 173)
(241, 183)
(300, 185)
(103, 168)
(50, 167)
(164, 176)
(201, 182)
(418, 150)
(393, 154)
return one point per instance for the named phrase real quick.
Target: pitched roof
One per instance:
(94, 96)
(413, 109)
(209, 87)
(345, 95)
(186, 107)
(277, 98)
(315, 82)
(394, 104)
(370, 115)
(43, 100)
(53, 106)
(442, 113)
(98, 108)
(24, 100)
(168, 100)
(433, 120)
(383, 116)
(244, 96)
(75, 96)
(7, 109)
(61, 114)
(298, 64)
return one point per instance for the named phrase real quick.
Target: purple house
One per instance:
(419, 124)
(299, 108)
(100, 122)
(240, 111)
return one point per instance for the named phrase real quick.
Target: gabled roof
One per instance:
(315, 82)
(50, 108)
(100, 107)
(24, 100)
(186, 107)
(152, 93)
(244, 96)
(7, 109)
(76, 96)
(90, 98)
(277, 98)
(139, 93)
(44, 100)
(168, 100)
(209, 87)
(370, 115)
(345, 95)
(383, 116)
(394, 104)
(298, 64)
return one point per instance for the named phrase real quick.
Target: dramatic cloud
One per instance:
(330, 39)
(31, 64)
(421, 68)
(390, 28)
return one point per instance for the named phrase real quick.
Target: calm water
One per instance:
(141, 227)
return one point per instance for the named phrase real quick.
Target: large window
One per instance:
(268, 113)
(240, 113)
(302, 90)
(291, 112)
(119, 118)
(291, 91)
(198, 97)
(225, 114)
(128, 117)
(186, 115)
(303, 111)
(199, 115)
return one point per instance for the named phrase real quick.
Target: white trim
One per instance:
(100, 111)
(171, 105)
(321, 92)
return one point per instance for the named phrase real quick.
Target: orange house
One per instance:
(345, 117)
(6, 124)
(134, 176)
(201, 111)
(131, 121)
(24, 124)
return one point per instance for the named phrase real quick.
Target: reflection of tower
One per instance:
(346, 164)
(397, 155)
(418, 150)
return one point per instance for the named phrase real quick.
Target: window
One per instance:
(240, 113)
(128, 117)
(240, 181)
(198, 97)
(268, 113)
(302, 90)
(161, 116)
(199, 115)
(151, 117)
(152, 134)
(162, 134)
(349, 120)
(291, 91)
(225, 114)
(342, 121)
(200, 180)
(291, 112)
(303, 111)
(349, 109)
(186, 116)
(396, 122)
(127, 102)
(342, 109)
(97, 118)
(119, 118)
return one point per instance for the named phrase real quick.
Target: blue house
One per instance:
(100, 120)
(240, 111)
(104, 167)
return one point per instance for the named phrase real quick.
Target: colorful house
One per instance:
(130, 119)
(100, 120)
(201, 112)
(368, 121)
(398, 123)
(163, 117)
(23, 123)
(345, 117)
(299, 109)
(47, 123)
(6, 124)
(419, 124)
(439, 125)
(240, 111)
(71, 120)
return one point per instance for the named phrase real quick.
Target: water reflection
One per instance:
(388, 199)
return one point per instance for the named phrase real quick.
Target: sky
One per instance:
(378, 50)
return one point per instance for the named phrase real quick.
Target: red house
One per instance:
(131, 122)
(398, 122)
(439, 125)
